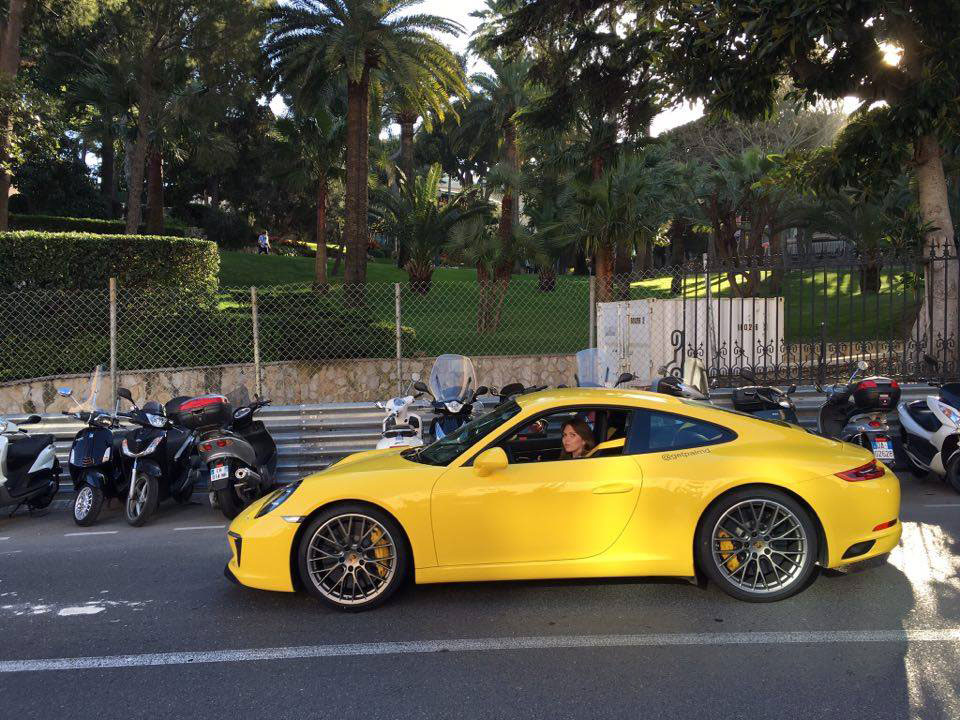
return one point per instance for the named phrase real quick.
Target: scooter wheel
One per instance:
(142, 501)
(230, 504)
(953, 473)
(87, 505)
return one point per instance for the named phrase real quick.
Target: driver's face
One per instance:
(572, 442)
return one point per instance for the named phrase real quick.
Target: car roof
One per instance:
(603, 396)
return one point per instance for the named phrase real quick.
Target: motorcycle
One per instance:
(930, 432)
(237, 451)
(856, 412)
(511, 390)
(765, 401)
(96, 456)
(452, 380)
(29, 469)
(161, 458)
(401, 428)
(694, 385)
(595, 369)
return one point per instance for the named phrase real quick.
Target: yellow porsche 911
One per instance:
(652, 485)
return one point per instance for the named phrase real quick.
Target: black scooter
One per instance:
(765, 401)
(96, 463)
(450, 414)
(161, 460)
(240, 455)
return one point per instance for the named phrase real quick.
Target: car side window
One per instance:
(540, 439)
(652, 431)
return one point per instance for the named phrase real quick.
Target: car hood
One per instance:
(368, 461)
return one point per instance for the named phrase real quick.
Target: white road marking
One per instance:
(5, 538)
(10, 552)
(946, 635)
(95, 532)
(943, 505)
(201, 527)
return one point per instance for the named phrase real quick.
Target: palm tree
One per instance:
(365, 42)
(415, 218)
(310, 155)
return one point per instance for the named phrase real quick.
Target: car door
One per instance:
(533, 511)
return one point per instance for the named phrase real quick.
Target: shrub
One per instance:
(78, 261)
(96, 226)
(227, 228)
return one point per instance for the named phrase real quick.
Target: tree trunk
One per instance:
(108, 172)
(939, 320)
(622, 271)
(870, 277)
(406, 120)
(603, 269)
(355, 229)
(776, 258)
(144, 113)
(341, 252)
(678, 232)
(320, 264)
(505, 229)
(9, 67)
(155, 192)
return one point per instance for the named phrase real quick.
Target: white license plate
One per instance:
(220, 472)
(882, 448)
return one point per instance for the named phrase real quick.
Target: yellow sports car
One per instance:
(576, 483)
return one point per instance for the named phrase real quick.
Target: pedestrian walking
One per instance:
(263, 243)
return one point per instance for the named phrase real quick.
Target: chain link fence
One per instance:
(796, 322)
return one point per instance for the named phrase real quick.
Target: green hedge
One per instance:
(78, 261)
(54, 223)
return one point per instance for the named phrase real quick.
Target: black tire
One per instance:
(137, 513)
(953, 472)
(41, 502)
(917, 471)
(87, 504)
(756, 547)
(393, 538)
(184, 496)
(230, 504)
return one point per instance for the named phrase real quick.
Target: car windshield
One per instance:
(450, 447)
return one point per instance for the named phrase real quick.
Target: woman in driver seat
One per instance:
(577, 439)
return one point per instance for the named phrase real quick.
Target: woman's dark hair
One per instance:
(581, 428)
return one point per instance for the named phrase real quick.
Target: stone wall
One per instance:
(284, 383)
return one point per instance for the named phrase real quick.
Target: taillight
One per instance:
(206, 447)
(867, 385)
(894, 384)
(884, 526)
(869, 471)
(199, 403)
(223, 443)
(875, 424)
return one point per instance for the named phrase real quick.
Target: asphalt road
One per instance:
(880, 642)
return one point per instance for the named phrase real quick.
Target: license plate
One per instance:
(220, 472)
(882, 448)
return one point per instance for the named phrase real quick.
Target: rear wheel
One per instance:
(42, 501)
(87, 505)
(230, 504)
(142, 501)
(758, 545)
(353, 557)
(953, 472)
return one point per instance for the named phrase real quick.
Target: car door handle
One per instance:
(612, 488)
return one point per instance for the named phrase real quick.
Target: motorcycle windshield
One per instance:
(695, 375)
(453, 378)
(595, 368)
(89, 403)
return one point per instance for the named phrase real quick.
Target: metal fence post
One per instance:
(396, 314)
(593, 311)
(706, 277)
(256, 341)
(113, 341)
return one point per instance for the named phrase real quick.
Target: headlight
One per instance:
(106, 455)
(278, 498)
(950, 413)
(158, 421)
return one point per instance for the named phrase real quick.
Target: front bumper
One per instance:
(261, 550)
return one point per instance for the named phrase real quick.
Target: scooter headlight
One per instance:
(950, 413)
(278, 498)
(158, 421)
(106, 455)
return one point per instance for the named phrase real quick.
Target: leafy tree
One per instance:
(364, 42)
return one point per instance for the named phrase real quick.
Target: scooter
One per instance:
(29, 469)
(401, 428)
(237, 451)
(930, 431)
(96, 456)
(511, 390)
(452, 380)
(765, 401)
(161, 459)
(694, 385)
(856, 412)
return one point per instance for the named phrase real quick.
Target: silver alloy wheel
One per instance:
(351, 559)
(83, 503)
(141, 490)
(760, 546)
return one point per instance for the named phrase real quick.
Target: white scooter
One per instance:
(930, 430)
(29, 469)
(401, 428)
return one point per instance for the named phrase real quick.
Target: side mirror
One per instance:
(748, 375)
(862, 365)
(482, 390)
(32, 420)
(625, 378)
(792, 389)
(489, 461)
(421, 386)
(65, 392)
(125, 394)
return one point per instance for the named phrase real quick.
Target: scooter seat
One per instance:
(24, 450)
(923, 415)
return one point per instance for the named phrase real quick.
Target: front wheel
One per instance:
(758, 545)
(142, 500)
(353, 557)
(87, 505)
(953, 472)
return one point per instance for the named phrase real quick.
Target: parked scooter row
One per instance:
(930, 432)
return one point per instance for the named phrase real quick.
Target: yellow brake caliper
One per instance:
(379, 552)
(727, 548)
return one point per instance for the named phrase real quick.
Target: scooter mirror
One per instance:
(862, 365)
(32, 420)
(421, 386)
(792, 389)
(64, 392)
(482, 390)
(125, 394)
(625, 378)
